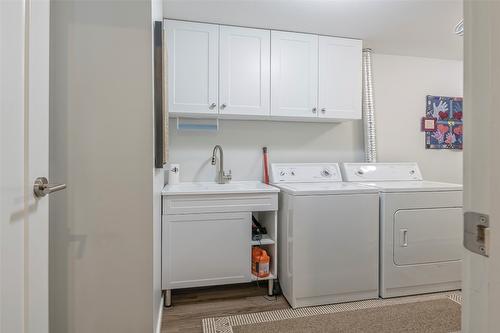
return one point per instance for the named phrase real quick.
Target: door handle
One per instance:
(41, 187)
(403, 237)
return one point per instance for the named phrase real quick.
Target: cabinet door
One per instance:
(192, 57)
(294, 74)
(206, 249)
(340, 75)
(244, 71)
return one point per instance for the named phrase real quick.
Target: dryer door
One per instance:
(427, 235)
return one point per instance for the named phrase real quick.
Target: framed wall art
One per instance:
(447, 113)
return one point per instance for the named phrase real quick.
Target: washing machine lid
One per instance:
(413, 186)
(375, 172)
(325, 188)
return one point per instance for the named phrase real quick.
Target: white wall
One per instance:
(401, 84)
(242, 142)
(388, 26)
(102, 231)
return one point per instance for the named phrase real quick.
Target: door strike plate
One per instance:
(477, 233)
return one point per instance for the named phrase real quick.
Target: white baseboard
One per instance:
(160, 315)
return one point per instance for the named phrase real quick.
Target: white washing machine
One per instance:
(420, 228)
(328, 235)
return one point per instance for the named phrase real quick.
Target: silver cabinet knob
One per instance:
(41, 187)
(213, 105)
(314, 110)
(323, 110)
(223, 106)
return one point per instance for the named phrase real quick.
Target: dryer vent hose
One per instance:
(369, 109)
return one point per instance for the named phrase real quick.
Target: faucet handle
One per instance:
(227, 176)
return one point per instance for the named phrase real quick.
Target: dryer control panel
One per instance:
(359, 172)
(305, 172)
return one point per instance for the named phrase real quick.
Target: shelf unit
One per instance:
(266, 240)
(269, 242)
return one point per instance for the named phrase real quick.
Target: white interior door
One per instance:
(193, 60)
(340, 78)
(294, 74)
(481, 287)
(244, 71)
(24, 155)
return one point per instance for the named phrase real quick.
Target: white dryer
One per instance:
(328, 235)
(420, 228)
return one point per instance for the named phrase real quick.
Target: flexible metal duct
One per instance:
(369, 109)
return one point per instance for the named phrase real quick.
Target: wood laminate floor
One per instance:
(190, 306)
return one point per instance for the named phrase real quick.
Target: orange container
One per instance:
(260, 262)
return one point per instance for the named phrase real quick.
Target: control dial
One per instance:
(326, 173)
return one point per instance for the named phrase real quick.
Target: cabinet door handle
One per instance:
(213, 105)
(223, 106)
(314, 110)
(323, 110)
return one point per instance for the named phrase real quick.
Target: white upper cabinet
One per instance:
(294, 74)
(244, 79)
(340, 78)
(193, 65)
(235, 72)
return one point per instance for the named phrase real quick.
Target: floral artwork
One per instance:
(448, 112)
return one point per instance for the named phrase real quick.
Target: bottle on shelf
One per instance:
(260, 262)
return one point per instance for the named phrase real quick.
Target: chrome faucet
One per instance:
(222, 177)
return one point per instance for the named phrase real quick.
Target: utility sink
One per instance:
(185, 198)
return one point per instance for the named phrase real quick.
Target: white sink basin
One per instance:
(214, 188)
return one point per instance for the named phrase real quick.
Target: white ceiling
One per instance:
(421, 28)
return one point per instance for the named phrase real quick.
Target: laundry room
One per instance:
(345, 111)
(233, 166)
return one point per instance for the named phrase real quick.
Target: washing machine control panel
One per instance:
(305, 172)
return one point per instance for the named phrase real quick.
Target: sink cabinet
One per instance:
(207, 234)
(206, 249)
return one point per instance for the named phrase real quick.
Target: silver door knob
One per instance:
(223, 106)
(41, 187)
(323, 110)
(314, 110)
(213, 105)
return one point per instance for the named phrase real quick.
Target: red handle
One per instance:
(266, 172)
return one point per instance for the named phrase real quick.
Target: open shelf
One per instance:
(270, 277)
(266, 240)
(269, 242)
